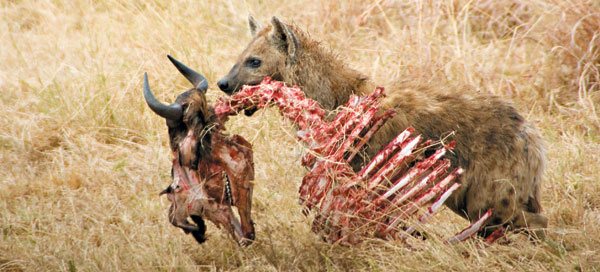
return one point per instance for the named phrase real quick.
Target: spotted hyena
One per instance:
(502, 153)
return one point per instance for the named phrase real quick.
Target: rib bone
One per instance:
(350, 206)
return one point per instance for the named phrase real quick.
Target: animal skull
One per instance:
(212, 171)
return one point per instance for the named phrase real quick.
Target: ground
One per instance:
(82, 158)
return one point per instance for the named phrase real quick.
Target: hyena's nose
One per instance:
(223, 85)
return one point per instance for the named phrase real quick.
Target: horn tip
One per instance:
(174, 61)
(146, 81)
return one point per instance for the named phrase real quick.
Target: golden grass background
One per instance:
(82, 159)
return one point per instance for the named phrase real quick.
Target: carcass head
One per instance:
(211, 171)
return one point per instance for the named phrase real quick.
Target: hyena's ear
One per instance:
(254, 25)
(285, 38)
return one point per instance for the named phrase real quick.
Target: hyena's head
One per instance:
(272, 48)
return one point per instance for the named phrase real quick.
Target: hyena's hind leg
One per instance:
(513, 209)
(530, 219)
(515, 198)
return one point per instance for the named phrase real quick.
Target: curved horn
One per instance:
(171, 112)
(194, 77)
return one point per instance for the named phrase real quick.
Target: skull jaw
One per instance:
(220, 214)
(199, 235)
(212, 187)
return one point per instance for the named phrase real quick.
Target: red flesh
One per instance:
(349, 205)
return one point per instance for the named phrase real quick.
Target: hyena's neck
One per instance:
(325, 78)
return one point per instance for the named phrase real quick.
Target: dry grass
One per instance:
(82, 159)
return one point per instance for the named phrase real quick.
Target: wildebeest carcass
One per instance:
(212, 171)
(381, 200)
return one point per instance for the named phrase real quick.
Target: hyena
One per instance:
(502, 153)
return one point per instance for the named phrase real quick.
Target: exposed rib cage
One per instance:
(387, 194)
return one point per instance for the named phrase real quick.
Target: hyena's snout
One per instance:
(231, 87)
(225, 86)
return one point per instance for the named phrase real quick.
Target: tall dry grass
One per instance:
(82, 159)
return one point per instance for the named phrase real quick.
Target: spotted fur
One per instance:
(502, 153)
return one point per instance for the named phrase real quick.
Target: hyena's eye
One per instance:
(253, 62)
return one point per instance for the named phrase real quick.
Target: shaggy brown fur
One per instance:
(502, 154)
